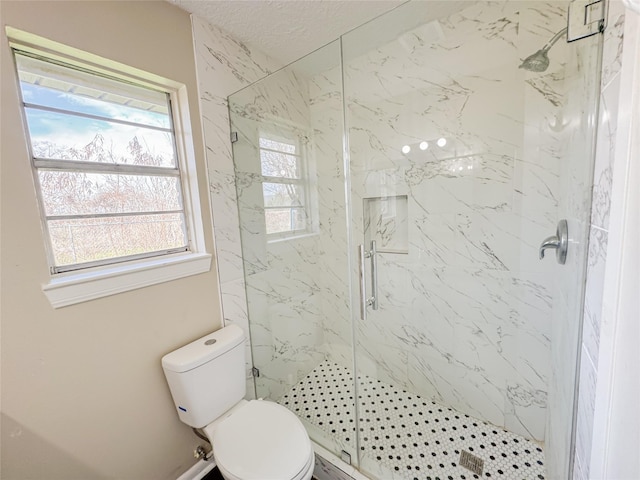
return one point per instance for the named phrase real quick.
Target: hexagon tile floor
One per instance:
(414, 438)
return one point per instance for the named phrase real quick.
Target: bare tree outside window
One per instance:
(104, 156)
(70, 193)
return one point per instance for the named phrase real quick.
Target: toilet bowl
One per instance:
(261, 440)
(252, 440)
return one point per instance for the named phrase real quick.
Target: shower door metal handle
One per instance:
(364, 300)
(559, 242)
(362, 282)
(373, 253)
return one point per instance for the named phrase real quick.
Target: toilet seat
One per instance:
(263, 441)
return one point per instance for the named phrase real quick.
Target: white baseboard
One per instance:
(198, 471)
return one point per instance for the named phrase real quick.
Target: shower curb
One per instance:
(330, 467)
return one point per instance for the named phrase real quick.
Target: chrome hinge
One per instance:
(255, 372)
(586, 18)
(234, 137)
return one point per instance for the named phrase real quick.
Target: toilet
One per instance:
(252, 440)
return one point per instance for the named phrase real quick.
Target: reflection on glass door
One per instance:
(290, 187)
(462, 160)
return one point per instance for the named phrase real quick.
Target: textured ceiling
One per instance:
(287, 30)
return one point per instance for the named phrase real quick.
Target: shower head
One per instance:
(539, 61)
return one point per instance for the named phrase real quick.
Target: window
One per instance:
(285, 187)
(115, 177)
(106, 166)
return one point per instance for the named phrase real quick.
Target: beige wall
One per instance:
(83, 393)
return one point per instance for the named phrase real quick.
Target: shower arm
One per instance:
(554, 39)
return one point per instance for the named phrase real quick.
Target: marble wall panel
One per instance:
(224, 65)
(468, 391)
(605, 150)
(326, 116)
(598, 241)
(586, 407)
(526, 411)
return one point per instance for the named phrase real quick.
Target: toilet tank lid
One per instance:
(203, 350)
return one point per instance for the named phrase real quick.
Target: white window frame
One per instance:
(304, 181)
(78, 286)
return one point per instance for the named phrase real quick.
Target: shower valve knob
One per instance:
(559, 242)
(549, 242)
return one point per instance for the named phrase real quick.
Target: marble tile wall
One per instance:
(598, 236)
(224, 65)
(326, 114)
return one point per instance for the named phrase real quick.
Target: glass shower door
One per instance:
(289, 172)
(461, 160)
(460, 155)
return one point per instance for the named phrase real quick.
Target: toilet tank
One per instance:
(207, 376)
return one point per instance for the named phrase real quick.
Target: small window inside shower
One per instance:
(286, 187)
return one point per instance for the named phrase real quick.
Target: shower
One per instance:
(539, 61)
(419, 177)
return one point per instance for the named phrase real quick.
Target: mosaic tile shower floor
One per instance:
(412, 437)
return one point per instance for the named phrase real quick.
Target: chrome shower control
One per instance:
(559, 242)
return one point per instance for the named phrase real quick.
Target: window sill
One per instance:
(275, 238)
(77, 287)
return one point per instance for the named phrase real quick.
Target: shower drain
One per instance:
(471, 462)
